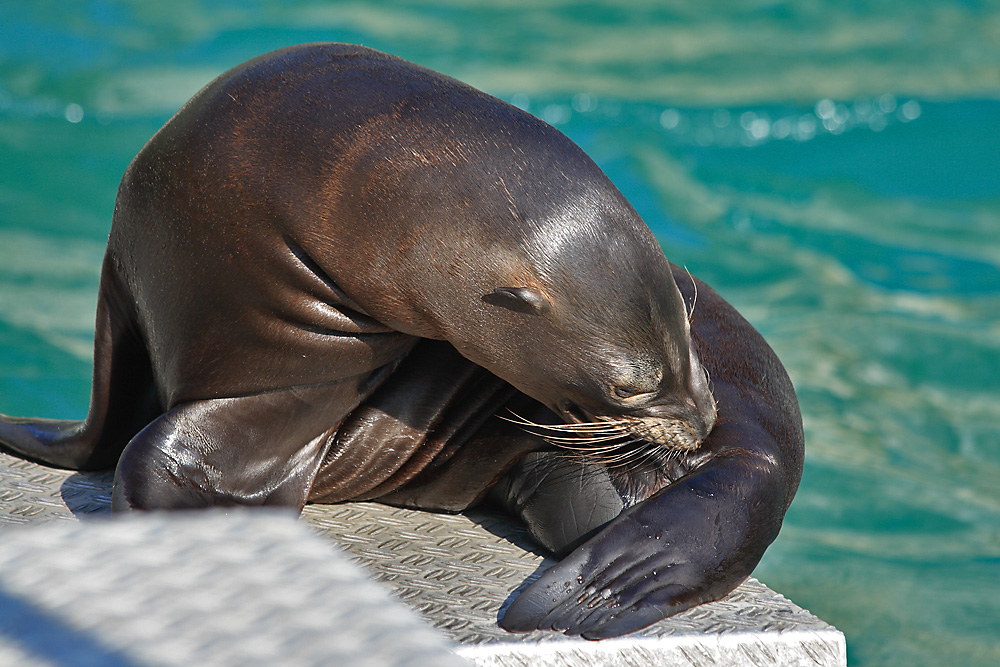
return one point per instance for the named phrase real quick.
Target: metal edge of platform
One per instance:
(791, 648)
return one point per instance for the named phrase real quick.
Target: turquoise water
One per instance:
(832, 168)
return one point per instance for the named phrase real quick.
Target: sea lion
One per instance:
(335, 275)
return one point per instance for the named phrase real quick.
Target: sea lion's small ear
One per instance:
(520, 299)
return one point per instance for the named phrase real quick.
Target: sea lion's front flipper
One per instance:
(690, 543)
(262, 449)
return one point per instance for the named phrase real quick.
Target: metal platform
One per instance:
(264, 583)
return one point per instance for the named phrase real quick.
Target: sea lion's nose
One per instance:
(700, 398)
(702, 402)
(705, 415)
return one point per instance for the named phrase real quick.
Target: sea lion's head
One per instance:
(591, 323)
(509, 242)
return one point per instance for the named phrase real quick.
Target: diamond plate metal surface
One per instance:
(198, 588)
(459, 572)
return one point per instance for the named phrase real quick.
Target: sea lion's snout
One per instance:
(678, 426)
(680, 416)
(684, 421)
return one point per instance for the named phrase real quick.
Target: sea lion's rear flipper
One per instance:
(123, 398)
(262, 449)
(561, 499)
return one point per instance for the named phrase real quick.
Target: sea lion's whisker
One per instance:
(635, 457)
(581, 441)
(599, 451)
(621, 451)
(590, 436)
(582, 438)
(602, 422)
(609, 434)
(583, 447)
(603, 426)
(581, 428)
(625, 456)
(694, 300)
(615, 462)
(591, 433)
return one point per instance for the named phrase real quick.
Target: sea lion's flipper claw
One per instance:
(559, 585)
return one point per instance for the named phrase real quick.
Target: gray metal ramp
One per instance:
(457, 572)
